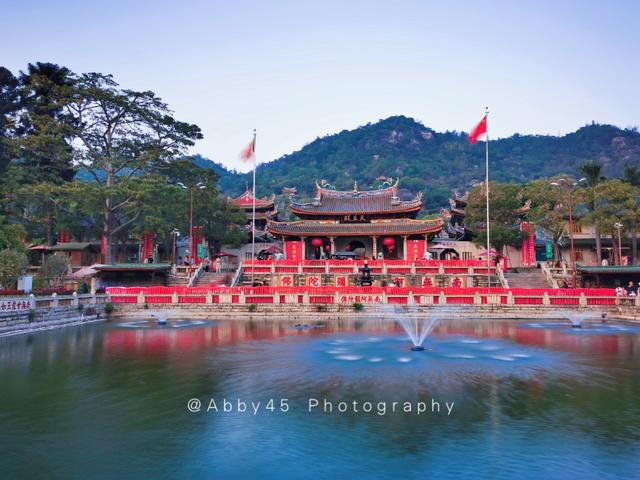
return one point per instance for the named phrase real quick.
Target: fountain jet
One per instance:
(418, 329)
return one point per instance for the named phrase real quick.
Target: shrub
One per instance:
(80, 307)
(108, 308)
(253, 307)
(358, 307)
(31, 315)
(13, 264)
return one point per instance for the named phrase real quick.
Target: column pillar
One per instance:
(333, 244)
(375, 246)
(404, 247)
(304, 248)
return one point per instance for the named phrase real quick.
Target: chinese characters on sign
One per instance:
(14, 305)
(293, 250)
(360, 299)
(341, 281)
(354, 218)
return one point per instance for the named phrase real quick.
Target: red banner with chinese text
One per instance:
(293, 250)
(415, 249)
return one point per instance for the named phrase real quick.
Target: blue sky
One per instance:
(298, 70)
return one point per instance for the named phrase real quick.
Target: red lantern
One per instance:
(316, 242)
(347, 248)
(327, 248)
(389, 242)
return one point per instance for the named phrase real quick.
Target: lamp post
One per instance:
(174, 233)
(564, 183)
(190, 189)
(618, 226)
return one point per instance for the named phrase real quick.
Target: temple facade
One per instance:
(371, 224)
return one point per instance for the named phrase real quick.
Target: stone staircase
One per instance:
(205, 278)
(177, 280)
(526, 278)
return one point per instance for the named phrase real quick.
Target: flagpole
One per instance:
(253, 221)
(486, 159)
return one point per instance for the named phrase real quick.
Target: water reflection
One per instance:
(105, 401)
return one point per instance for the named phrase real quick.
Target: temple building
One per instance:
(265, 209)
(370, 224)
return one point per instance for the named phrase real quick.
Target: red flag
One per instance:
(478, 131)
(248, 151)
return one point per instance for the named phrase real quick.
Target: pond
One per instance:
(348, 399)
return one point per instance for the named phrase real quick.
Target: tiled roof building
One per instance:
(372, 223)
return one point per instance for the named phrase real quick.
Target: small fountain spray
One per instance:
(162, 319)
(418, 329)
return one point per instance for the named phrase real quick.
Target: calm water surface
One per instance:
(530, 400)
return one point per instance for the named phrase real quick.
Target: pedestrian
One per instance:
(631, 289)
(207, 263)
(187, 261)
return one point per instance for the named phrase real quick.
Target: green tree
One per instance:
(12, 236)
(222, 222)
(550, 206)
(631, 176)
(593, 173)
(13, 264)
(122, 136)
(9, 104)
(43, 141)
(617, 203)
(506, 201)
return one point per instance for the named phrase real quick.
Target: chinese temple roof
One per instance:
(334, 202)
(402, 226)
(246, 201)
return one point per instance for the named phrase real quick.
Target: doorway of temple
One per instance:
(357, 247)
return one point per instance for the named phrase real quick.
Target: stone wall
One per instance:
(336, 311)
(49, 317)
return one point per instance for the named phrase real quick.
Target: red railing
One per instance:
(347, 295)
(478, 267)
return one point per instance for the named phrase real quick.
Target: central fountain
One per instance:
(417, 329)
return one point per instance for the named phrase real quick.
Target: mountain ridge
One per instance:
(434, 163)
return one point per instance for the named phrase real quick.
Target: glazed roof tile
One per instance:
(332, 202)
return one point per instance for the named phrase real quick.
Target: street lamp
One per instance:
(564, 183)
(174, 233)
(190, 189)
(618, 225)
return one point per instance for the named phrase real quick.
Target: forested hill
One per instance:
(433, 162)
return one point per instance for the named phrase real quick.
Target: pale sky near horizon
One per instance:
(299, 70)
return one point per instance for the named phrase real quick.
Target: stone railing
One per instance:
(548, 275)
(196, 274)
(501, 278)
(33, 302)
(238, 275)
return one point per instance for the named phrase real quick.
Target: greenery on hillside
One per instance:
(435, 163)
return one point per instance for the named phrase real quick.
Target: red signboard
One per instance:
(415, 249)
(293, 250)
(147, 245)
